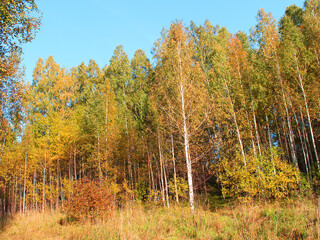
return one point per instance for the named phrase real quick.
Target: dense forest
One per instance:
(214, 113)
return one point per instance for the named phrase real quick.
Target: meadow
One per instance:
(290, 219)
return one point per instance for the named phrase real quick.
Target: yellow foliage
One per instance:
(266, 176)
(121, 192)
(182, 187)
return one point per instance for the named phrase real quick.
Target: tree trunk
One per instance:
(24, 185)
(50, 187)
(186, 146)
(302, 145)
(291, 137)
(256, 129)
(152, 177)
(15, 194)
(128, 140)
(237, 126)
(20, 192)
(35, 204)
(308, 114)
(270, 144)
(99, 159)
(306, 139)
(75, 162)
(161, 169)
(174, 169)
(44, 182)
(166, 183)
(251, 135)
(107, 112)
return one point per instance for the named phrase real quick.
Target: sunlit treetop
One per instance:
(19, 21)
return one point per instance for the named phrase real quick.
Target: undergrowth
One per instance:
(289, 219)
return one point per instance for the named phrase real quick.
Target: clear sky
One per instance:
(75, 31)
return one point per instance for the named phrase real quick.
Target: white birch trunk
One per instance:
(186, 137)
(237, 126)
(174, 169)
(308, 114)
(291, 137)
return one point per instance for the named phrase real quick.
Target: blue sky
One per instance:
(75, 31)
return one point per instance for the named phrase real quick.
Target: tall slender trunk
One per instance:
(270, 144)
(166, 183)
(107, 133)
(57, 186)
(9, 197)
(152, 177)
(308, 114)
(69, 169)
(291, 137)
(302, 145)
(128, 140)
(256, 128)
(35, 202)
(44, 182)
(15, 194)
(50, 187)
(75, 162)
(306, 139)
(237, 126)
(251, 135)
(99, 159)
(287, 147)
(4, 199)
(159, 183)
(281, 144)
(149, 173)
(20, 192)
(161, 169)
(244, 104)
(61, 189)
(174, 169)
(24, 184)
(186, 135)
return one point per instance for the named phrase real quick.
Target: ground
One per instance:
(297, 218)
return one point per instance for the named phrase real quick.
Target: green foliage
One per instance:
(265, 176)
(141, 191)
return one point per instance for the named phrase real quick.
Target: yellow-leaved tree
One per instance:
(181, 92)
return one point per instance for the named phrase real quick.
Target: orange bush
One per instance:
(90, 201)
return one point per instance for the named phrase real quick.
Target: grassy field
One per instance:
(290, 219)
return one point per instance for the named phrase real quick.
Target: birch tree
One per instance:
(182, 94)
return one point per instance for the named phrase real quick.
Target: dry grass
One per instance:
(292, 219)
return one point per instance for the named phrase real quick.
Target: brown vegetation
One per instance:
(90, 201)
(290, 219)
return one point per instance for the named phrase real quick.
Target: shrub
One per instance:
(182, 188)
(90, 201)
(264, 176)
(121, 192)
